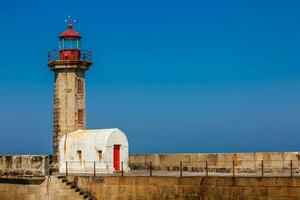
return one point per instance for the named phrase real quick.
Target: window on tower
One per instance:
(80, 116)
(80, 86)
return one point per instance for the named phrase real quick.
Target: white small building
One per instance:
(102, 150)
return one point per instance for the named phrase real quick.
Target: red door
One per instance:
(117, 157)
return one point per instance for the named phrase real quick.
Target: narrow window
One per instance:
(80, 116)
(80, 86)
(100, 155)
(79, 155)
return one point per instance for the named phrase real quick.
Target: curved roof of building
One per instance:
(103, 136)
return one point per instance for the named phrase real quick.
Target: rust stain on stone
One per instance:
(65, 146)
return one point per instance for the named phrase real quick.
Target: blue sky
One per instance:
(175, 76)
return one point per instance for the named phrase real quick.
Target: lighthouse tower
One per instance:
(69, 64)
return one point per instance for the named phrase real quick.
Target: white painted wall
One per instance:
(90, 142)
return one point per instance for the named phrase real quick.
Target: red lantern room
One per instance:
(69, 48)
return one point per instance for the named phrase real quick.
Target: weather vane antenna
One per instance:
(70, 21)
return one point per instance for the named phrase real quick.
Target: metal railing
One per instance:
(92, 167)
(86, 56)
(233, 168)
(54, 55)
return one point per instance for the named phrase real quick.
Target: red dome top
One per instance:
(70, 33)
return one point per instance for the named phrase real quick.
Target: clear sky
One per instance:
(175, 76)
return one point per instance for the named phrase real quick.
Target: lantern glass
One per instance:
(69, 43)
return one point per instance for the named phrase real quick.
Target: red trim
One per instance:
(70, 54)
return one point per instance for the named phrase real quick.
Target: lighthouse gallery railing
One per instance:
(54, 55)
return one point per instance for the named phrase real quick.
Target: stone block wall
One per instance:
(157, 188)
(24, 165)
(200, 188)
(50, 188)
(242, 161)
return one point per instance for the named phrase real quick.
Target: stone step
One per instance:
(61, 177)
(64, 180)
(87, 195)
(70, 183)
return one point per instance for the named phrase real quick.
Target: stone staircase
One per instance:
(73, 186)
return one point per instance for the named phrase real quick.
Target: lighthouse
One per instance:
(69, 64)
